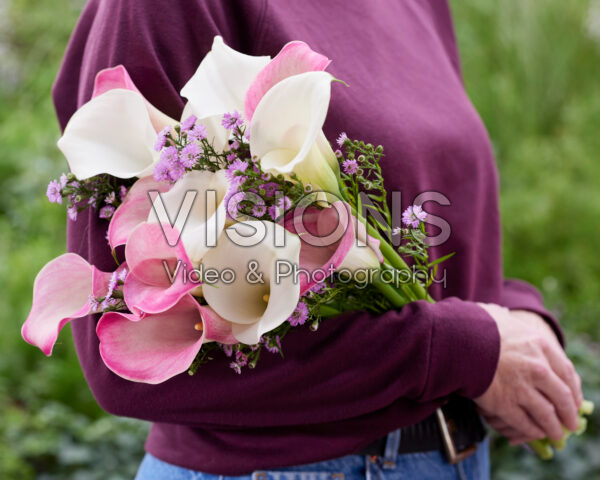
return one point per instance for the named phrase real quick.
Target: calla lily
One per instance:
(152, 261)
(154, 348)
(332, 239)
(286, 131)
(61, 293)
(201, 226)
(253, 308)
(134, 210)
(222, 80)
(114, 132)
(294, 58)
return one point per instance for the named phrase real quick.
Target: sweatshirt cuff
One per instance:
(464, 350)
(520, 295)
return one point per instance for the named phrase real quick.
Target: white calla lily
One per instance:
(286, 130)
(113, 133)
(253, 308)
(195, 206)
(222, 80)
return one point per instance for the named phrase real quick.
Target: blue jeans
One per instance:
(392, 466)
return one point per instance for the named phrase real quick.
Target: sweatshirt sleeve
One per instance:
(354, 365)
(520, 295)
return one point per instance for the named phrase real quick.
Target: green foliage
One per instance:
(532, 71)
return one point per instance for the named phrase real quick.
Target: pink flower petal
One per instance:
(111, 78)
(133, 211)
(216, 328)
(326, 239)
(294, 58)
(60, 293)
(148, 287)
(154, 348)
(118, 78)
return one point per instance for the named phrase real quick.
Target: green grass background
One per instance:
(532, 69)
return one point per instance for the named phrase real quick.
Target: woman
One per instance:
(359, 397)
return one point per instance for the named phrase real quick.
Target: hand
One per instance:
(535, 389)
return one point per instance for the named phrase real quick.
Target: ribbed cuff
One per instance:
(464, 351)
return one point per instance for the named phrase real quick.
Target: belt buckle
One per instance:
(452, 454)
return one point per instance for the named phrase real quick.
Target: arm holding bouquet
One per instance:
(430, 350)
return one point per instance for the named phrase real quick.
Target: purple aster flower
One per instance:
(413, 216)
(94, 305)
(170, 155)
(342, 138)
(188, 123)
(239, 165)
(122, 275)
(232, 120)
(235, 145)
(176, 171)
(284, 203)
(53, 192)
(231, 157)
(235, 182)
(266, 177)
(107, 212)
(110, 198)
(338, 153)
(161, 172)
(232, 203)
(276, 348)
(299, 315)
(63, 180)
(258, 211)
(319, 287)
(269, 188)
(235, 367)
(112, 283)
(228, 349)
(161, 139)
(241, 359)
(72, 213)
(274, 212)
(197, 133)
(189, 155)
(123, 192)
(350, 167)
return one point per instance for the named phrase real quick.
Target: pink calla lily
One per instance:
(115, 131)
(61, 293)
(332, 238)
(118, 78)
(149, 254)
(153, 348)
(294, 58)
(134, 210)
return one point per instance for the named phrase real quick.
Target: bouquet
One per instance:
(228, 230)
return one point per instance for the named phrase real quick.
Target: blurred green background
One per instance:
(533, 71)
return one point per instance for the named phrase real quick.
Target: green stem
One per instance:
(542, 448)
(328, 311)
(395, 297)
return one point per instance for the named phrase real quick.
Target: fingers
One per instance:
(520, 440)
(563, 367)
(560, 395)
(545, 416)
(519, 419)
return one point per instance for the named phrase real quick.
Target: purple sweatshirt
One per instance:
(360, 376)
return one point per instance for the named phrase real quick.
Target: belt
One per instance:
(456, 428)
